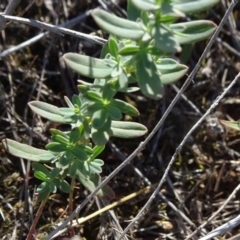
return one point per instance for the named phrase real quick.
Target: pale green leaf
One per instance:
(113, 112)
(170, 70)
(132, 12)
(147, 76)
(87, 66)
(23, 150)
(194, 6)
(145, 5)
(48, 111)
(96, 166)
(99, 118)
(125, 107)
(97, 150)
(117, 26)
(193, 31)
(41, 168)
(91, 184)
(127, 129)
(164, 39)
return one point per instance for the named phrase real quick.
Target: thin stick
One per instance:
(55, 29)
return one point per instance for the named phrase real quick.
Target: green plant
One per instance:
(139, 51)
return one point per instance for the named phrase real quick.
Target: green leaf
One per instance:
(73, 169)
(55, 172)
(170, 70)
(123, 81)
(99, 118)
(125, 107)
(46, 157)
(127, 129)
(169, 14)
(83, 89)
(66, 111)
(87, 66)
(194, 6)
(40, 168)
(23, 150)
(164, 39)
(117, 26)
(101, 136)
(91, 184)
(64, 160)
(60, 138)
(186, 53)
(231, 124)
(130, 89)
(194, 31)
(146, 37)
(68, 102)
(78, 152)
(56, 147)
(110, 89)
(97, 150)
(155, 51)
(52, 186)
(145, 5)
(88, 84)
(63, 185)
(148, 76)
(116, 71)
(87, 149)
(132, 12)
(75, 135)
(56, 132)
(77, 100)
(95, 107)
(85, 169)
(129, 50)
(41, 176)
(96, 166)
(109, 61)
(48, 111)
(113, 47)
(86, 182)
(94, 96)
(104, 51)
(43, 191)
(113, 112)
(147, 18)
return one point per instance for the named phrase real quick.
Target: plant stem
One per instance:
(39, 212)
